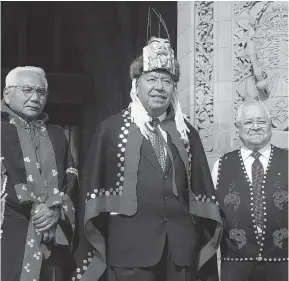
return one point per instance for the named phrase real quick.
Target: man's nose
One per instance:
(159, 85)
(255, 126)
(34, 97)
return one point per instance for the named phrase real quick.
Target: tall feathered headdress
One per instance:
(157, 54)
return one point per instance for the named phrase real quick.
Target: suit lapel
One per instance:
(148, 152)
(170, 127)
(174, 153)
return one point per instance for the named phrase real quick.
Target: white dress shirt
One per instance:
(248, 161)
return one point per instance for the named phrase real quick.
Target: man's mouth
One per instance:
(159, 96)
(257, 134)
(33, 107)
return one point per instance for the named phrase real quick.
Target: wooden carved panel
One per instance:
(261, 56)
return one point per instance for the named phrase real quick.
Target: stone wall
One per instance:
(230, 52)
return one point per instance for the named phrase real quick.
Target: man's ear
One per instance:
(6, 95)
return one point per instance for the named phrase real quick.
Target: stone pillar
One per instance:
(186, 57)
(224, 128)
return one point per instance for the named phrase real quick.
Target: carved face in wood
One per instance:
(158, 55)
(28, 96)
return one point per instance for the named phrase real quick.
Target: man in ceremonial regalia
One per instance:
(150, 209)
(38, 185)
(252, 190)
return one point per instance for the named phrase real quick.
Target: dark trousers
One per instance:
(254, 271)
(165, 270)
(59, 266)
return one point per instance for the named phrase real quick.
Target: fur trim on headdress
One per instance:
(136, 69)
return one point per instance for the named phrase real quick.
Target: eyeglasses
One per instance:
(248, 124)
(154, 81)
(29, 91)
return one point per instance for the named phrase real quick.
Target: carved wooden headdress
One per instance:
(157, 54)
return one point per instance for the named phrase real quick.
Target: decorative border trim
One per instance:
(219, 170)
(72, 171)
(121, 146)
(256, 259)
(79, 273)
(3, 202)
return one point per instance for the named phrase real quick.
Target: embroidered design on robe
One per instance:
(4, 194)
(233, 198)
(39, 189)
(239, 235)
(279, 236)
(280, 196)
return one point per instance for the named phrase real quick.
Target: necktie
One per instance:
(257, 178)
(157, 143)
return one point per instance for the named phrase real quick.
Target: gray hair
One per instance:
(245, 104)
(13, 76)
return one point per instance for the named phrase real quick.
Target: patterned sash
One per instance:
(40, 188)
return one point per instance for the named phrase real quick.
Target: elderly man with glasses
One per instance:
(252, 190)
(38, 184)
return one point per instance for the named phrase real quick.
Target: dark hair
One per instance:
(136, 69)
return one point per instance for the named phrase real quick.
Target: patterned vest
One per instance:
(241, 241)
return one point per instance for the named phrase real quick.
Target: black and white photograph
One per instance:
(144, 141)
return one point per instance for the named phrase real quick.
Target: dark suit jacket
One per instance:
(138, 241)
(122, 175)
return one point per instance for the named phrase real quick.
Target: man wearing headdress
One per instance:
(38, 185)
(150, 209)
